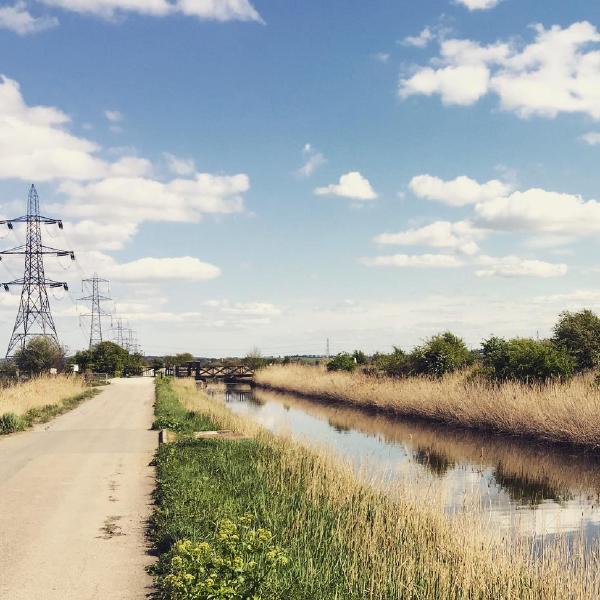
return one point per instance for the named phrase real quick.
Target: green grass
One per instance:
(11, 422)
(341, 539)
(202, 482)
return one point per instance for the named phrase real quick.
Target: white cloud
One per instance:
(35, 144)
(416, 260)
(114, 116)
(538, 210)
(457, 192)
(513, 266)
(18, 19)
(219, 10)
(313, 160)
(213, 10)
(184, 268)
(592, 138)
(252, 309)
(178, 165)
(460, 236)
(419, 41)
(138, 199)
(478, 4)
(351, 185)
(558, 72)
(382, 57)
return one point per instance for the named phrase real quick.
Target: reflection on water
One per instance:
(521, 487)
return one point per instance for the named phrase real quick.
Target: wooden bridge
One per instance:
(212, 372)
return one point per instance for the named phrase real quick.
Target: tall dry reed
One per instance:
(39, 392)
(389, 547)
(555, 412)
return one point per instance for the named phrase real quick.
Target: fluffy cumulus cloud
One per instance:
(591, 137)
(414, 260)
(421, 40)
(539, 211)
(178, 165)
(313, 159)
(18, 19)
(213, 10)
(138, 199)
(460, 236)
(457, 192)
(513, 266)
(351, 185)
(36, 145)
(557, 72)
(148, 269)
(478, 4)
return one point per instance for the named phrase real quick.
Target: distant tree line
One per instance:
(573, 348)
(41, 354)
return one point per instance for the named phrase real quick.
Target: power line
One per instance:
(34, 317)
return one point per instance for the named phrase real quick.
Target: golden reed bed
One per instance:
(39, 392)
(399, 548)
(558, 412)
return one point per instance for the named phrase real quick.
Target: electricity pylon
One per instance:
(122, 334)
(34, 317)
(93, 286)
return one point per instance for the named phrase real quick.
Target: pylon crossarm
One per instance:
(32, 219)
(42, 250)
(47, 282)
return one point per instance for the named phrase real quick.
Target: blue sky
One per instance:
(271, 174)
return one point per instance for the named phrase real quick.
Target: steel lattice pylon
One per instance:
(95, 297)
(34, 317)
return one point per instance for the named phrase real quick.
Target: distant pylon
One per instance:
(121, 335)
(34, 317)
(95, 296)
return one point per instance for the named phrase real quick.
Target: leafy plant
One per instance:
(342, 362)
(236, 562)
(40, 354)
(526, 360)
(579, 333)
(10, 422)
(440, 354)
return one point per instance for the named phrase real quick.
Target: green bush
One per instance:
(39, 355)
(440, 354)
(360, 357)
(342, 362)
(10, 422)
(235, 563)
(579, 333)
(395, 364)
(526, 360)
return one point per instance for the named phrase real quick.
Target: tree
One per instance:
(40, 354)
(360, 357)
(255, 360)
(526, 360)
(395, 364)
(342, 362)
(440, 354)
(579, 333)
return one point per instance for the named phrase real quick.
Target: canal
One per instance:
(517, 487)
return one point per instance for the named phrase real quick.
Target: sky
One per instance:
(253, 174)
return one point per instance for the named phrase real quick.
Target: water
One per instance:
(519, 487)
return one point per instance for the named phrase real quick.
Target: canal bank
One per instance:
(341, 537)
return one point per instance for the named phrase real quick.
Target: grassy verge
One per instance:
(328, 536)
(564, 413)
(39, 400)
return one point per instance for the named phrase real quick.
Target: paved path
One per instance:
(74, 499)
